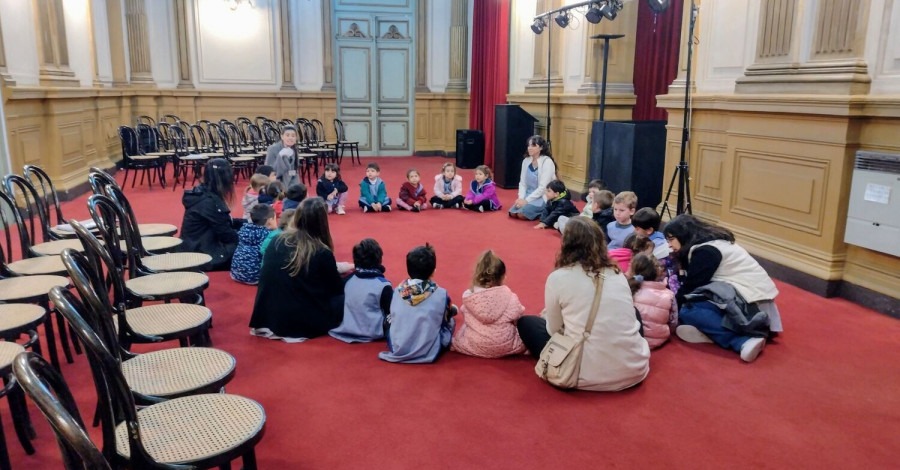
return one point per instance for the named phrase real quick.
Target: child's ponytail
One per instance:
(489, 271)
(643, 268)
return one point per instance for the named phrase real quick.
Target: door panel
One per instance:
(375, 89)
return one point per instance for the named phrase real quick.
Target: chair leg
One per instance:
(21, 420)
(64, 337)
(250, 460)
(51, 341)
(4, 454)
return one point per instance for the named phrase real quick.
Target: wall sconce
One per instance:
(235, 4)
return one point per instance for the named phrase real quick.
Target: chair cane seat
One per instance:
(145, 158)
(193, 428)
(156, 243)
(175, 261)
(348, 142)
(19, 316)
(164, 319)
(164, 284)
(201, 156)
(59, 233)
(38, 265)
(8, 352)
(154, 154)
(178, 371)
(56, 247)
(157, 230)
(307, 155)
(27, 287)
(242, 159)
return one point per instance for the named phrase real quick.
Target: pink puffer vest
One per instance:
(655, 302)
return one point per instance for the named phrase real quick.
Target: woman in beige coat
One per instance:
(615, 355)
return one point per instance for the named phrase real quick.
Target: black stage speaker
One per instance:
(512, 128)
(630, 156)
(469, 148)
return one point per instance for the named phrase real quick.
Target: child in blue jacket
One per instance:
(372, 192)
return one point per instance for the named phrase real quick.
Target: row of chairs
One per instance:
(150, 145)
(108, 325)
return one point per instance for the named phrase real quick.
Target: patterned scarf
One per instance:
(415, 291)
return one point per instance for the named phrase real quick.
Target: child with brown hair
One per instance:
(273, 196)
(490, 310)
(412, 194)
(447, 188)
(652, 298)
(482, 196)
(251, 194)
(624, 205)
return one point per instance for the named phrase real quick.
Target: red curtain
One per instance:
(490, 68)
(657, 45)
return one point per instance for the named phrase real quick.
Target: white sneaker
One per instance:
(438, 206)
(751, 348)
(365, 208)
(340, 210)
(691, 334)
(480, 208)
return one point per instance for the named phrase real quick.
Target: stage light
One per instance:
(658, 6)
(593, 15)
(609, 10)
(562, 20)
(538, 26)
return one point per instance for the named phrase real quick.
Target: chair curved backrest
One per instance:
(162, 130)
(339, 130)
(169, 117)
(199, 139)
(146, 120)
(271, 133)
(129, 139)
(48, 390)
(320, 129)
(112, 388)
(179, 140)
(99, 180)
(11, 218)
(48, 191)
(131, 230)
(148, 138)
(18, 187)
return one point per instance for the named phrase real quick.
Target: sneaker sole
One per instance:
(691, 334)
(750, 353)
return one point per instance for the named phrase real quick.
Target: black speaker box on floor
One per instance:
(469, 148)
(512, 128)
(630, 156)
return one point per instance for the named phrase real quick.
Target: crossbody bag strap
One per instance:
(598, 286)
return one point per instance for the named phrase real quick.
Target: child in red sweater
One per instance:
(412, 194)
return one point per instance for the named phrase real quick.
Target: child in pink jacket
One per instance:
(482, 196)
(490, 311)
(653, 299)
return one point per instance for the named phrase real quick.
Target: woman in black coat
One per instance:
(300, 293)
(207, 226)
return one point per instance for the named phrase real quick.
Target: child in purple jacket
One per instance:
(482, 192)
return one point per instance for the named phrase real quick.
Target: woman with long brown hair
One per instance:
(615, 355)
(301, 293)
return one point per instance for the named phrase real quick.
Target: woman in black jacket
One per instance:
(207, 226)
(301, 293)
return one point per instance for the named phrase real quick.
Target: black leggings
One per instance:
(533, 331)
(475, 207)
(438, 201)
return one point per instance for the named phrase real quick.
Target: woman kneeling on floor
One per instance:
(615, 356)
(725, 297)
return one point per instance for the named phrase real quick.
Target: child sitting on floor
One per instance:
(421, 321)
(273, 196)
(490, 311)
(294, 196)
(332, 189)
(251, 194)
(372, 192)
(482, 192)
(247, 258)
(447, 188)
(634, 244)
(652, 298)
(367, 297)
(558, 205)
(591, 206)
(283, 222)
(624, 206)
(412, 194)
(267, 171)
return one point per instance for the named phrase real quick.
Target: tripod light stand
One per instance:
(682, 173)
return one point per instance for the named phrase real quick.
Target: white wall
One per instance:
(307, 44)
(235, 49)
(78, 40)
(439, 19)
(727, 30)
(883, 46)
(19, 40)
(101, 40)
(163, 50)
(521, 44)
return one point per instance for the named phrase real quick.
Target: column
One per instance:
(114, 16)
(138, 42)
(184, 53)
(620, 73)
(832, 63)
(4, 74)
(551, 34)
(327, 54)
(422, 48)
(459, 48)
(287, 65)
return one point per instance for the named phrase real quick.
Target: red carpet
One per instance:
(823, 395)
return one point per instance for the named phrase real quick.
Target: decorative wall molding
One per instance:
(52, 45)
(138, 42)
(182, 43)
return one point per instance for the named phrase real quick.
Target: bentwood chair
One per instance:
(152, 376)
(50, 200)
(112, 226)
(204, 431)
(344, 144)
(17, 407)
(48, 390)
(99, 180)
(26, 266)
(34, 238)
(149, 165)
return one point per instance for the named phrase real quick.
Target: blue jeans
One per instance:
(707, 318)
